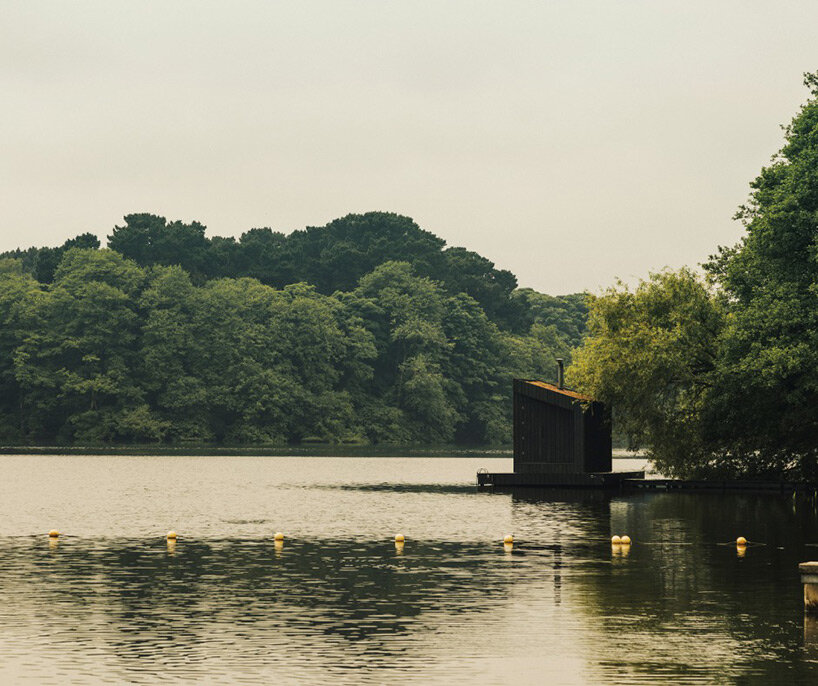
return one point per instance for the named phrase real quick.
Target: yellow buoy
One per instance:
(399, 538)
(171, 536)
(278, 536)
(615, 540)
(741, 541)
(53, 533)
(625, 540)
(508, 539)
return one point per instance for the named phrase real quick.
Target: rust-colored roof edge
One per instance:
(562, 391)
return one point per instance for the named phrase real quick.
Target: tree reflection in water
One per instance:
(681, 607)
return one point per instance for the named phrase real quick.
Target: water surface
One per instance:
(112, 603)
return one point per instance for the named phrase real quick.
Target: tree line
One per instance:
(366, 330)
(716, 372)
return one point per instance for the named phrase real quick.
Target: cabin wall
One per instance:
(545, 437)
(598, 443)
(556, 434)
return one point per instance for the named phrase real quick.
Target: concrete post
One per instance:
(809, 577)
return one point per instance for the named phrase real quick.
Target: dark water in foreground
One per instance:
(111, 603)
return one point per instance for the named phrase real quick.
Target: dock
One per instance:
(719, 485)
(562, 440)
(636, 481)
(602, 480)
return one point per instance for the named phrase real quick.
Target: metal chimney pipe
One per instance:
(560, 373)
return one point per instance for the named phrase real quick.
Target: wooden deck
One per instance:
(556, 480)
(719, 486)
(635, 481)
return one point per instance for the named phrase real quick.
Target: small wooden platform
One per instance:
(719, 485)
(635, 481)
(580, 480)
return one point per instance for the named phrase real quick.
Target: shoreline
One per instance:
(316, 450)
(313, 450)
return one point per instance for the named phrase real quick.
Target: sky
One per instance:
(572, 142)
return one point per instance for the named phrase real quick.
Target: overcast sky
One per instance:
(570, 142)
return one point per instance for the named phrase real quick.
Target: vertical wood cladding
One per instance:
(558, 431)
(598, 446)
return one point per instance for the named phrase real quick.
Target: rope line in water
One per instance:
(54, 536)
(530, 546)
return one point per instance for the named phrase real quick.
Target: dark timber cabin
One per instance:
(561, 438)
(559, 431)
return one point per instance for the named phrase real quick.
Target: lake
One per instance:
(112, 602)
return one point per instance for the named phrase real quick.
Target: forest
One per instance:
(368, 330)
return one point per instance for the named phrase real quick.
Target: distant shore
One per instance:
(307, 450)
(315, 450)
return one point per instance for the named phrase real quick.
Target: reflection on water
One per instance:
(338, 601)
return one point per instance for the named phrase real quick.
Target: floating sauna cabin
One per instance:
(561, 438)
(559, 431)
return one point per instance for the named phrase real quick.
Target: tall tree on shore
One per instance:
(726, 382)
(767, 378)
(651, 355)
(16, 288)
(76, 360)
(148, 239)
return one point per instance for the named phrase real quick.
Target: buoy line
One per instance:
(508, 540)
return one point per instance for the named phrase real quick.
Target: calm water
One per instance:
(111, 603)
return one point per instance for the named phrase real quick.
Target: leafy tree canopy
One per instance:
(650, 354)
(724, 379)
(365, 330)
(332, 258)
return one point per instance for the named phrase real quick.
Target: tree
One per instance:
(568, 314)
(467, 272)
(263, 258)
(41, 263)
(405, 314)
(169, 354)
(476, 361)
(16, 287)
(75, 364)
(651, 354)
(148, 239)
(766, 407)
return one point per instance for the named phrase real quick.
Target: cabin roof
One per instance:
(562, 391)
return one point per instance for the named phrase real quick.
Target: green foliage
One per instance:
(42, 262)
(169, 336)
(768, 365)
(567, 314)
(467, 272)
(332, 257)
(370, 329)
(148, 239)
(16, 288)
(75, 362)
(724, 381)
(650, 354)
